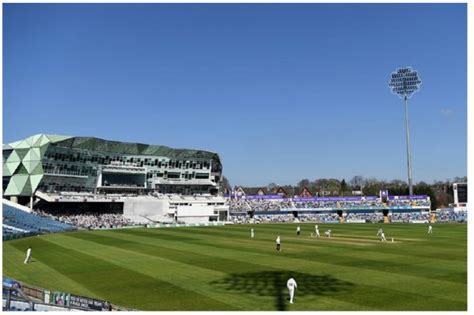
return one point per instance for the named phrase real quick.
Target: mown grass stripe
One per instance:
(366, 271)
(36, 271)
(424, 249)
(432, 298)
(348, 257)
(418, 273)
(179, 274)
(202, 260)
(120, 285)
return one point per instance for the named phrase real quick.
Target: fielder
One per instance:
(430, 229)
(252, 233)
(328, 233)
(278, 243)
(316, 229)
(379, 232)
(28, 255)
(298, 230)
(291, 285)
(382, 237)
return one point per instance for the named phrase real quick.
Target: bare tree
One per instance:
(357, 181)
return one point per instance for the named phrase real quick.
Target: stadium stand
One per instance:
(364, 217)
(19, 223)
(450, 215)
(91, 220)
(318, 217)
(409, 217)
(259, 203)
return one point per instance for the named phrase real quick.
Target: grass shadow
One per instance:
(273, 283)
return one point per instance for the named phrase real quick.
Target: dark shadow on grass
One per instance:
(273, 283)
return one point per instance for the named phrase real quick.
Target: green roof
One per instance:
(101, 145)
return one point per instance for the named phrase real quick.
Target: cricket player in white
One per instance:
(298, 230)
(291, 285)
(328, 233)
(28, 255)
(316, 229)
(278, 243)
(379, 232)
(382, 237)
(252, 233)
(430, 229)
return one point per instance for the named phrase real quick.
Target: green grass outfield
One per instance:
(221, 268)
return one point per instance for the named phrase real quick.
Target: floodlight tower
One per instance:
(404, 82)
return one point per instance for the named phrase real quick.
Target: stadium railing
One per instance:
(19, 296)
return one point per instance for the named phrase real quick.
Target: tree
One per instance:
(397, 187)
(423, 188)
(226, 185)
(356, 181)
(327, 186)
(343, 186)
(304, 183)
(372, 186)
(271, 187)
(462, 179)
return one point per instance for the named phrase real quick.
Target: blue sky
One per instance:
(281, 92)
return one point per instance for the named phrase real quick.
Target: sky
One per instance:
(281, 92)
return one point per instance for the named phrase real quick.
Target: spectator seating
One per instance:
(290, 204)
(17, 223)
(449, 215)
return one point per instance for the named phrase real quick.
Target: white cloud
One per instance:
(446, 112)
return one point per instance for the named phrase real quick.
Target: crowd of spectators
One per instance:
(368, 217)
(406, 217)
(318, 217)
(276, 218)
(289, 217)
(96, 221)
(91, 220)
(405, 203)
(245, 205)
(448, 215)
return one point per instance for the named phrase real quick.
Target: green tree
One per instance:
(423, 188)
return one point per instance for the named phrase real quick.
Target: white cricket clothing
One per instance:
(252, 233)
(382, 237)
(278, 240)
(430, 229)
(291, 285)
(28, 256)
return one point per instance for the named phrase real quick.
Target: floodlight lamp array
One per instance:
(404, 82)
